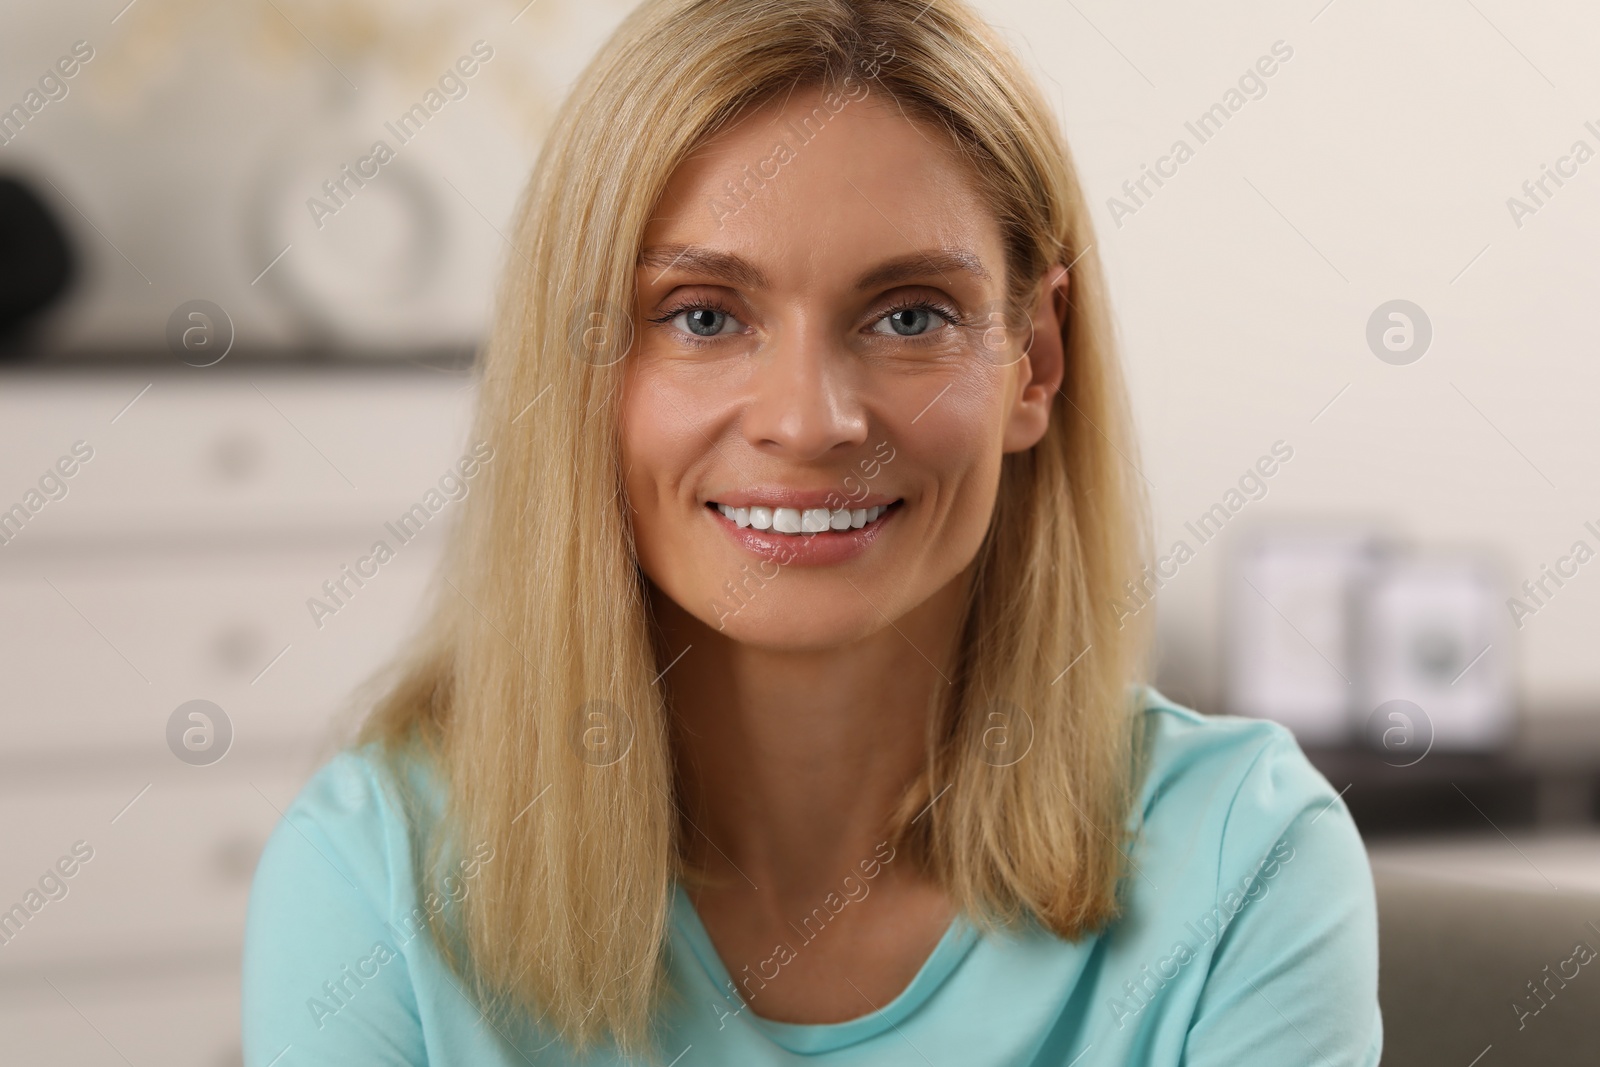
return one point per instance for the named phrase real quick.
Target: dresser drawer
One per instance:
(98, 648)
(141, 862)
(246, 451)
(139, 1013)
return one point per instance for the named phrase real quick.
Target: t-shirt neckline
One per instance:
(814, 1038)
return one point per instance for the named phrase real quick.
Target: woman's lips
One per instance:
(815, 545)
(799, 520)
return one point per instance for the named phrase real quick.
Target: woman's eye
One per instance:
(705, 322)
(909, 322)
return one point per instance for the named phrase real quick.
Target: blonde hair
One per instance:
(545, 618)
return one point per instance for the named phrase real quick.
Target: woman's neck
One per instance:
(790, 763)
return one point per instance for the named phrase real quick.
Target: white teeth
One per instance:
(798, 520)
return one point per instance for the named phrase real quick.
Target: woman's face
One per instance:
(821, 385)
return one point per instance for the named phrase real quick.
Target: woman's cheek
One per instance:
(666, 426)
(959, 429)
(648, 438)
(956, 446)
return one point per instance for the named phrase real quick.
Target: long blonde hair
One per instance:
(544, 617)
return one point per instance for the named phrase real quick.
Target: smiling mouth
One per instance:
(802, 521)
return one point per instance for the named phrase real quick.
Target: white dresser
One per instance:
(175, 564)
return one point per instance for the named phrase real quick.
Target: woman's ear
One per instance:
(1040, 371)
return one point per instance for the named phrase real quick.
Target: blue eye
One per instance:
(910, 321)
(705, 322)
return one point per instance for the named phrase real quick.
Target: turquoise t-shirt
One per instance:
(1249, 936)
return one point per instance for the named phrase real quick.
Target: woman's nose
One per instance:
(805, 400)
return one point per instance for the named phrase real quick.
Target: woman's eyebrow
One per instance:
(741, 272)
(699, 260)
(940, 261)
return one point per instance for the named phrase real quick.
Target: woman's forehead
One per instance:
(827, 182)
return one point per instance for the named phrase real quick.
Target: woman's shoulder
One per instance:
(354, 817)
(353, 783)
(1240, 784)
(1186, 751)
(358, 789)
(1249, 902)
(332, 918)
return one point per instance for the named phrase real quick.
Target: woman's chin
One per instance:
(798, 628)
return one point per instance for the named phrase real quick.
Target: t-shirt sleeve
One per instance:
(325, 981)
(1294, 978)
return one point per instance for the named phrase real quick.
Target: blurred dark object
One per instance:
(1464, 967)
(36, 262)
(1547, 778)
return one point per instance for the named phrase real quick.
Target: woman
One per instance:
(777, 703)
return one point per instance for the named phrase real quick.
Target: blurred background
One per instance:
(1350, 248)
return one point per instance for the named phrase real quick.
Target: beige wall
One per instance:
(1377, 166)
